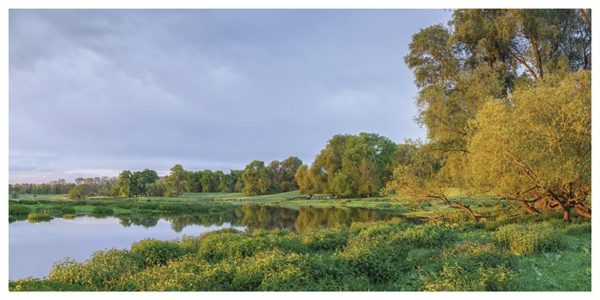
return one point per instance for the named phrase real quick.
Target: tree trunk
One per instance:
(566, 213)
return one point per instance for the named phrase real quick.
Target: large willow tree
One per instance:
(483, 55)
(538, 145)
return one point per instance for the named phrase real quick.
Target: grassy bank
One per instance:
(387, 255)
(56, 205)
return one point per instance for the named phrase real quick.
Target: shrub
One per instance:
(102, 211)
(458, 278)
(275, 270)
(66, 210)
(102, 271)
(427, 236)
(378, 258)
(380, 227)
(219, 245)
(70, 216)
(186, 274)
(529, 238)
(39, 217)
(474, 255)
(325, 240)
(154, 252)
(18, 210)
(31, 284)
(189, 244)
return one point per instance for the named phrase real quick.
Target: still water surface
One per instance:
(35, 247)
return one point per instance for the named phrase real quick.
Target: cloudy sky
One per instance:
(93, 92)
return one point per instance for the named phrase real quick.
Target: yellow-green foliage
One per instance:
(469, 266)
(219, 245)
(530, 238)
(154, 252)
(39, 217)
(102, 271)
(391, 255)
(32, 284)
(458, 278)
(325, 239)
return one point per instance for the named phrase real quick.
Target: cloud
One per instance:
(129, 89)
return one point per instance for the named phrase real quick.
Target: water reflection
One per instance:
(254, 217)
(306, 218)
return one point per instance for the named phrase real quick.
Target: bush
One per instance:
(530, 238)
(39, 217)
(18, 210)
(427, 236)
(379, 227)
(101, 272)
(66, 210)
(378, 258)
(30, 284)
(154, 252)
(229, 244)
(189, 244)
(102, 211)
(186, 274)
(325, 240)
(458, 278)
(70, 216)
(275, 270)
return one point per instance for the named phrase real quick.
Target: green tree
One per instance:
(258, 179)
(208, 181)
(125, 183)
(176, 180)
(79, 191)
(538, 146)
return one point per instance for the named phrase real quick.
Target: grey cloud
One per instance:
(128, 89)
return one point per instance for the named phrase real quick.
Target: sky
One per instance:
(94, 92)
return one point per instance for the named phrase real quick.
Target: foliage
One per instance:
(154, 252)
(534, 151)
(529, 239)
(18, 210)
(258, 179)
(39, 217)
(100, 272)
(102, 211)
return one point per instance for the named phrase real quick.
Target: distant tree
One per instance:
(79, 192)
(311, 180)
(208, 181)
(224, 182)
(285, 175)
(238, 183)
(125, 183)
(176, 180)
(354, 165)
(258, 179)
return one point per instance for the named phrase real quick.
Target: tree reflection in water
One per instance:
(267, 217)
